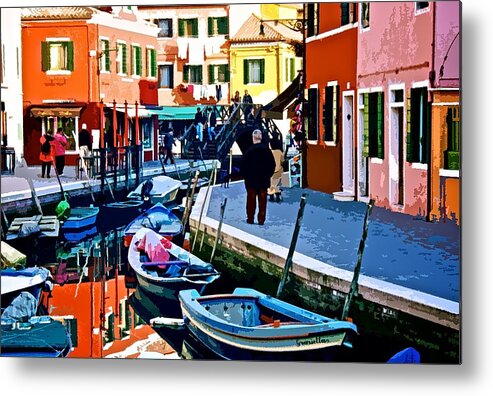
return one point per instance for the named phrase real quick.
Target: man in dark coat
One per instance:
(258, 166)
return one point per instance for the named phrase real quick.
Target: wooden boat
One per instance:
(158, 218)
(38, 226)
(33, 280)
(81, 218)
(165, 279)
(124, 211)
(78, 235)
(249, 325)
(164, 190)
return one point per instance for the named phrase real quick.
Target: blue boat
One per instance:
(123, 211)
(77, 235)
(407, 355)
(249, 325)
(81, 218)
(159, 219)
(165, 279)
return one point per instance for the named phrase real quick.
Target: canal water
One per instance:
(108, 314)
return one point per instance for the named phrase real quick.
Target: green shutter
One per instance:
(380, 125)
(200, 74)
(211, 74)
(291, 76)
(45, 56)
(335, 112)
(223, 27)
(245, 71)
(153, 63)
(327, 115)
(107, 61)
(366, 125)
(70, 56)
(124, 58)
(186, 73)
(195, 27)
(409, 136)
(209, 26)
(262, 71)
(226, 73)
(138, 54)
(181, 27)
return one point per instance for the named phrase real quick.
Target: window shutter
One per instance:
(45, 56)
(186, 73)
(200, 74)
(124, 58)
(138, 54)
(409, 136)
(223, 27)
(335, 113)
(313, 113)
(154, 63)
(107, 61)
(171, 77)
(380, 125)
(327, 113)
(262, 71)
(245, 71)
(226, 73)
(291, 77)
(366, 125)
(209, 26)
(344, 13)
(310, 19)
(195, 27)
(70, 55)
(181, 27)
(211, 74)
(427, 133)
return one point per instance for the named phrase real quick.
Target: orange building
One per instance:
(331, 49)
(81, 65)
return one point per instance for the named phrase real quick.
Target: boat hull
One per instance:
(81, 218)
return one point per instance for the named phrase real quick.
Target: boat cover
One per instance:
(11, 258)
(22, 308)
(161, 185)
(155, 246)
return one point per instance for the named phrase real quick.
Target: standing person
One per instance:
(248, 109)
(85, 146)
(46, 154)
(169, 142)
(275, 181)
(212, 123)
(199, 124)
(60, 143)
(258, 166)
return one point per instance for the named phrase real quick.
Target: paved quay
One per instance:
(408, 263)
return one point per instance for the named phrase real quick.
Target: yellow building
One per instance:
(263, 55)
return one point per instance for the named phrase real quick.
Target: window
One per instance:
(151, 62)
(147, 135)
(452, 161)
(348, 13)
(188, 27)
(104, 59)
(217, 26)
(57, 56)
(166, 76)
(253, 71)
(121, 58)
(192, 74)
(421, 5)
(109, 325)
(312, 10)
(136, 60)
(365, 15)
(290, 69)
(312, 113)
(166, 26)
(330, 116)
(218, 74)
(68, 124)
(373, 125)
(418, 126)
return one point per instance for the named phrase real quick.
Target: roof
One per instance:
(42, 13)
(273, 31)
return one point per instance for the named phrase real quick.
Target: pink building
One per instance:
(400, 45)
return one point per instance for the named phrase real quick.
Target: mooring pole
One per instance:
(218, 233)
(289, 260)
(203, 205)
(188, 208)
(213, 177)
(354, 284)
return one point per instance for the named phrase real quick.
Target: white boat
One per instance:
(164, 190)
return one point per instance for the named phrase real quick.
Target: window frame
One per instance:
(417, 151)
(182, 24)
(247, 63)
(168, 66)
(151, 62)
(374, 124)
(364, 27)
(170, 27)
(351, 13)
(331, 127)
(213, 71)
(313, 114)
(418, 10)
(46, 60)
(121, 58)
(104, 57)
(136, 60)
(188, 70)
(214, 24)
(452, 153)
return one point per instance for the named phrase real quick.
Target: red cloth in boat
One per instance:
(155, 246)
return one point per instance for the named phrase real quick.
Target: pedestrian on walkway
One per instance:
(248, 107)
(199, 124)
(46, 154)
(274, 190)
(85, 146)
(60, 143)
(211, 122)
(169, 142)
(258, 165)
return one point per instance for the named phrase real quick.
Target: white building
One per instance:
(11, 81)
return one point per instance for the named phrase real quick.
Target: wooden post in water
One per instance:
(353, 289)
(203, 205)
(213, 177)
(292, 247)
(188, 208)
(218, 233)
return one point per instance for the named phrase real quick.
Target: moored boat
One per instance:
(33, 280)
(124, 211)
(159, 219)
(81, 217)
(159, 189)
(249, 325)
(163, 268)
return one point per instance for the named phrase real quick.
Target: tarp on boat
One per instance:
(22, 308)
(11, 258)
(161, 185)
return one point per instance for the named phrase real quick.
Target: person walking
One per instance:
(258, 165)
(199, 124)
(212, 121)
(60, 143)
(169, 142)
(248, 109)
(85, 146)
(274, 190)
(46, 154)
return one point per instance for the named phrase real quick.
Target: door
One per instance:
(363, 168)
(348, 144)
(396, 160)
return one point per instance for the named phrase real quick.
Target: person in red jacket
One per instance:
(46, 154)
(60, 145)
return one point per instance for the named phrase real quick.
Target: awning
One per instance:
(56, 111)
(177, 112)
(143, 113)
(275, 109)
